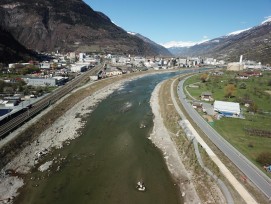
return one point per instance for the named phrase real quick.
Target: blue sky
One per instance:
(183, 20)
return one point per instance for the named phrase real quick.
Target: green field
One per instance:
(233, 129)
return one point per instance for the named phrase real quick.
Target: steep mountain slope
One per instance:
(159, 48)
(12, 51)
(253, 44)
(67, 25)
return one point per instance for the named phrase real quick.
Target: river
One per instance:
(113, 153)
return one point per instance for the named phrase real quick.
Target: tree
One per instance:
(243, 85)
(253, 107)
(204, 77)
(264, 158)
(230, 90)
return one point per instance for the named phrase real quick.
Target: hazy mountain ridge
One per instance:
(253, 44)
(160, 49)
(71, 25)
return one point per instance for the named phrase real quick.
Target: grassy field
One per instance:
(256, 88)
(232, 129)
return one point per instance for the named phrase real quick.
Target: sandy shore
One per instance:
(161, 138)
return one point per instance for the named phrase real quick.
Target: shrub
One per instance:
(243, 85)
(204, 77)
(264, 158)
(230, 90)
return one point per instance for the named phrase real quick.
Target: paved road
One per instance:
(256, 176)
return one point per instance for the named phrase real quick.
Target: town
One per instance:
(23, 83)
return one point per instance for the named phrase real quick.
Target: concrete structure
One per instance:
(227, 109)
(206, 96)
(112, 71)
(241, 59)
(11, 103)
(235, 66)
(79, 67)
(45, 65)
(40, 81)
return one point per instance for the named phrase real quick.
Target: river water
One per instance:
(112, 155)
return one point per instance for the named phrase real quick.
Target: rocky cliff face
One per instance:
(11, 50)
(67, 25)
(253, 44)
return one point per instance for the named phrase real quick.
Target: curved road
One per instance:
(256, 176)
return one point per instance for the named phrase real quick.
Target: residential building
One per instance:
(206, 96)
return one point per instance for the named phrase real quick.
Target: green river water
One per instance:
(113, 153)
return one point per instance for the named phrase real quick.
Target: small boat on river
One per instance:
(140, 186)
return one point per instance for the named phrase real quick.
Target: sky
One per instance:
(183, 21)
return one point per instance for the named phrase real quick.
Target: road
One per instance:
(255, 175)
(16, 121)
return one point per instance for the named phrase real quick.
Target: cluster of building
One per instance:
(57, 71)
(161, 63)
(246, 65)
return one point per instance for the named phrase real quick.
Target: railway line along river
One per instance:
(112, 154)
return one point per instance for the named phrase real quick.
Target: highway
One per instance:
(40, 105)
(256, 176)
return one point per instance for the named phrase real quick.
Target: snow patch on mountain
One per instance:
(238, 32)
(267, 19)
(131, 33)
(181, 43)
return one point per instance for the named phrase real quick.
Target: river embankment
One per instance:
(64, 129)
(161, 138)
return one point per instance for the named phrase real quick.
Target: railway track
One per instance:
(42, 104)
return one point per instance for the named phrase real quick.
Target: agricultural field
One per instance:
(251, 135)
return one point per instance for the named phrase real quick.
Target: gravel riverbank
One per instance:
(161, 138)
(62, 130)
(66, 127)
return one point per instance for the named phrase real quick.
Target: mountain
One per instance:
(12, 51)
(253, 44)
(159, 48)
(68, 25)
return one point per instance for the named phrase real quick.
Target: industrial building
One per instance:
(227, 109)
(40, 81)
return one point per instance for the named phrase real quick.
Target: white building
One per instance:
(45, 65)
(40, 81)
(252, 65)
(78, 68)
(228, 109)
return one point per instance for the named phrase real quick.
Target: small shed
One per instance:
(227, 109)
(197, 104)
(206, 96)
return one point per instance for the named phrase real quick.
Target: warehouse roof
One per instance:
(229, 107)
